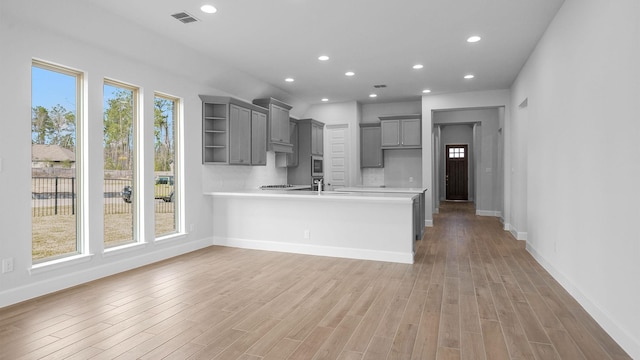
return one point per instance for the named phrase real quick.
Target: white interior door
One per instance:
(337, 157)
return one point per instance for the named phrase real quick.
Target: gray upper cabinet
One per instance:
(390, 133)
(371, 146)
(317, 138)
(309, 143)
(215, 135)
(258, 138)
(292, 157)
(310, 137)
(234, 132)
(239, 135)
(401, 131)
(278, 124)
(411, 133)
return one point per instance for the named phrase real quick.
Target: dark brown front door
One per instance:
(457, 177)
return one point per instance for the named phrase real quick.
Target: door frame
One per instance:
(446, 170)
(328, 180)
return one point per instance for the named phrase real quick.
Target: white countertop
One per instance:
(380, 189)
(389, 197)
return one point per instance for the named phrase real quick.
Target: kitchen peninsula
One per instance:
(370, 226)
(419, 213)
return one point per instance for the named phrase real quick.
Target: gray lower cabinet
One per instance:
(258, 138)
(401, 131)
(371, 146)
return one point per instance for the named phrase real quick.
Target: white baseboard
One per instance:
(488, 213)
(50, 284)
(626, 340)
(296, 248)
(428, 223)
(520, 235)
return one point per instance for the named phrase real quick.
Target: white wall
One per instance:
(583, 88)
(371, 112)
(100, 49)
(519, 167)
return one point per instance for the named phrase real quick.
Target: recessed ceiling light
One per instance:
(474, 38)
(289, 80)
(469, 76)
(325, 99)
(426, 91)
(323, 58)
(209, 9)
(418, 66)
(349, 73)
(372, 95)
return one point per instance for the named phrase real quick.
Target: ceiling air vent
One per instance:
(185, 17)
(380, 86)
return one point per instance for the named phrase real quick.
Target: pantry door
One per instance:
(457, 177)
(336, 156)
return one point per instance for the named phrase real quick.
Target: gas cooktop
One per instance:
(285, 187)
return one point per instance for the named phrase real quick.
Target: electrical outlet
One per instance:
(410, 178)
(192, 227)
(7, 265)
(307, 234)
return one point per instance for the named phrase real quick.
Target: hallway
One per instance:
(506, 304)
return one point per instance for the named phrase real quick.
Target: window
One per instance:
(456, 153)
(56, 94)
(120, 175)
(165, 125)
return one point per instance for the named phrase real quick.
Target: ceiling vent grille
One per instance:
(185, 17)
(380, 86)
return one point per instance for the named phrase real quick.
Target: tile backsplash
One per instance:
(402, 168)
(373, 176)
(237, 177)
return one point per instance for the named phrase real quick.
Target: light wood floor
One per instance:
(473, 293)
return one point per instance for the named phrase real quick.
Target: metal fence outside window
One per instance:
(58, 196)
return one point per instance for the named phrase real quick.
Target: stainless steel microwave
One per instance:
(317, 166)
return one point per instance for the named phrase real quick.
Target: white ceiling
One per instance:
(379, 40)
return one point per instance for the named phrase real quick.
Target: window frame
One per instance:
(177, 167)
(81, 238)
(137, 168)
